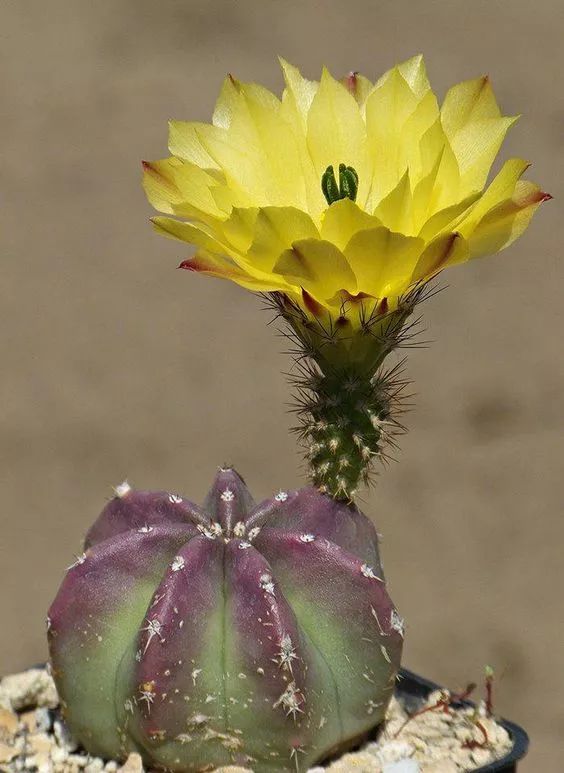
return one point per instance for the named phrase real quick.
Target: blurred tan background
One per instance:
(114, 364)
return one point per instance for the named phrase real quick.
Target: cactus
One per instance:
(231, 633)
(264, 635)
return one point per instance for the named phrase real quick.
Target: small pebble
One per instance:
(360, 762)
(78, 761)
(133, 764)
(7, 752)
(402, 766)
(43, 719)
(5, 702)
(39, 743)
(94, 766)
(28, 721)
(58, 754)
(64, 737)
(30, 688)
(443, 766)
(8, 724)
(232, 769)
(392, 751)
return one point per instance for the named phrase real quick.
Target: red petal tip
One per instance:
(357, 298)
(351, 81)
(537, 197)
(311, 304)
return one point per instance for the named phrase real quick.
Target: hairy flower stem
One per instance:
(348, 404)
(348, 420)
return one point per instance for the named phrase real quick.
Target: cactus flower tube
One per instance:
(340, 201)
(231, 633)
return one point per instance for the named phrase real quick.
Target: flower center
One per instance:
(347, 187)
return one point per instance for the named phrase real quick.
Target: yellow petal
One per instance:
(186, 232)
(257, 153)
(226, 103)
(501, 188)
(196, 188)
(275, 230)
(299, 93)
(317, 266)
(423, 198)
(383, 261)
(259, 95)
(243, 168)
(343, 219)
(214, 265)
(184, 142)
(468, 102)
(296, 102)
(387, 109)
(506, 222)
(226, 198)
(396, 209)
(274, 138)
(336, 133)
(475, 146)
(448, 218)
(160, 185)
(239, 227)
(446, 250)
(435, 147)
(211, 223)
(425, 115)
(415, 74)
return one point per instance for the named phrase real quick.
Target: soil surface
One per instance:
(435, 738)
(116, 365)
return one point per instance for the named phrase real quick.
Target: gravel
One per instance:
(34, 738)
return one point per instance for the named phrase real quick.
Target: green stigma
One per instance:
(347, 187)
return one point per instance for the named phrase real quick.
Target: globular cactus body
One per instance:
(232, 633)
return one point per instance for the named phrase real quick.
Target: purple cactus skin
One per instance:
(228, 634)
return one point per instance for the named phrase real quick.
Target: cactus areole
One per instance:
(234, 633)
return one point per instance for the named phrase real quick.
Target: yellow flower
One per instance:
(343, 195)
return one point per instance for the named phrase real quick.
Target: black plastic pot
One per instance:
(412, 689)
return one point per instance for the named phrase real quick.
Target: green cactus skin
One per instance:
(228, 634)
(348, 422)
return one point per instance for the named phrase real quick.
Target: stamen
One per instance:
(347, 187)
